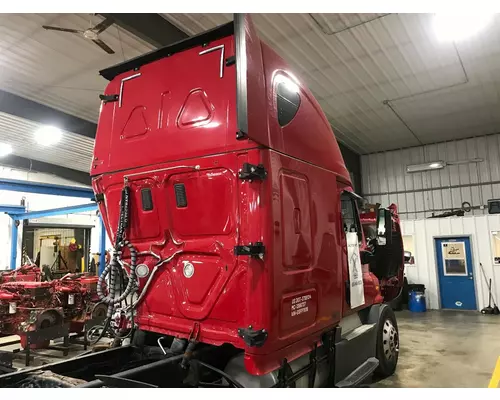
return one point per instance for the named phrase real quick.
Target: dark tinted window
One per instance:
(288, 101)
(350, 219)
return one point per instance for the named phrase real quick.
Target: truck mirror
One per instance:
(407, 256)
(366, 257)
(384, 227)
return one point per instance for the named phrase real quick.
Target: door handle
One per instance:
(471, 278)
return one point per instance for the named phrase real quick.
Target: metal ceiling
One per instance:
(73, 151)
(385, 81)
(60, 69)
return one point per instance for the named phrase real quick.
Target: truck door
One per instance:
(351, 238)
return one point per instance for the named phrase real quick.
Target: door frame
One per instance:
(436, 261)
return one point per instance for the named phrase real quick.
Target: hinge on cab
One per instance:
(108, 98)
(250, 172)
(256, 250)
(253, 338)
(99, 197)
(240, 135)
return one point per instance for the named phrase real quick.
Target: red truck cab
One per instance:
(388, 266)
(238, 210)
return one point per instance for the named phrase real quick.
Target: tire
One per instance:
(397, 303)
(387, 351)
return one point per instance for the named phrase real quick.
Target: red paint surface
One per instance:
(190, 112)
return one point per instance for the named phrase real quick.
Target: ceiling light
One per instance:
(455, 27)
(5, 149)
(425, 167)
(48, 135)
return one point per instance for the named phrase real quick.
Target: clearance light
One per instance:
(455, 27)
(48, 135)
(425, 167)
(5, 149)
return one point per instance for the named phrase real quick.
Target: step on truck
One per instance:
(223, 188)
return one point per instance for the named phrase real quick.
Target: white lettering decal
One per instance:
(299, 305)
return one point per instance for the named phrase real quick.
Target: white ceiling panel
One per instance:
(60, 69)
(73, 151)
(384, 80)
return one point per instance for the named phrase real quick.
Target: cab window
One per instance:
(350, 219)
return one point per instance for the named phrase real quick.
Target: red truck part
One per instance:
(389, 267)
(221, 183)
(34, 305)
(26, 272)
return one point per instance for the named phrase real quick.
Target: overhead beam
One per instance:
(54, 211)
(10, 209)
(152, 28)
(27, 164)
(28, 109)
(45, 188)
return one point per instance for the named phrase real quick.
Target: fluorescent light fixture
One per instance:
(461, 162)
(456, 27)
(5, 149)
(48, 135)
(426, 166)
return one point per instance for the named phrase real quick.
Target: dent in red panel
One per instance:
(196, 110)
(136, 124)
(296, 221)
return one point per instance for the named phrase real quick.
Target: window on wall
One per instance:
(288, 99)
(495, 244)
(409, 245)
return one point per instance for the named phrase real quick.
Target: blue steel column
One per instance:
(102, 247)
(13, 244)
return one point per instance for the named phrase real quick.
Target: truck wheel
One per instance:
(387, 343)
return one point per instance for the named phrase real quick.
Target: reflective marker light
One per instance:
(142, 270)
(5, 149)
(48, 135)
(188, 269)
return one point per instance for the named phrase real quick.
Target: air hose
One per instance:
(113, 269)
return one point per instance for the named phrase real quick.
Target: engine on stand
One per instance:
(26, 272)
(33, 305)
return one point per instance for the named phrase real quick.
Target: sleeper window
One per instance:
(287, 100)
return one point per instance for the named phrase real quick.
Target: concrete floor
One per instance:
(445, 349)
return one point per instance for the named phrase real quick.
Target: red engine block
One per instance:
(31, 305)
(24, 273)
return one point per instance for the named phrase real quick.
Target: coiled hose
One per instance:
(113, 269)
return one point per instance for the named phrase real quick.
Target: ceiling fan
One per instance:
(90, 34)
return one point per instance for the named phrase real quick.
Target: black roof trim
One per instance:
(190, 42)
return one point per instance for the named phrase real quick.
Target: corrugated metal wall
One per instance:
(424, 270)
(385, 180)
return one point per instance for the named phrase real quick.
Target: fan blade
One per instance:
(103, 25)
(104, 46)
(55, 28)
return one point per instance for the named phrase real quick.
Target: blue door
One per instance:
(456, 273)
